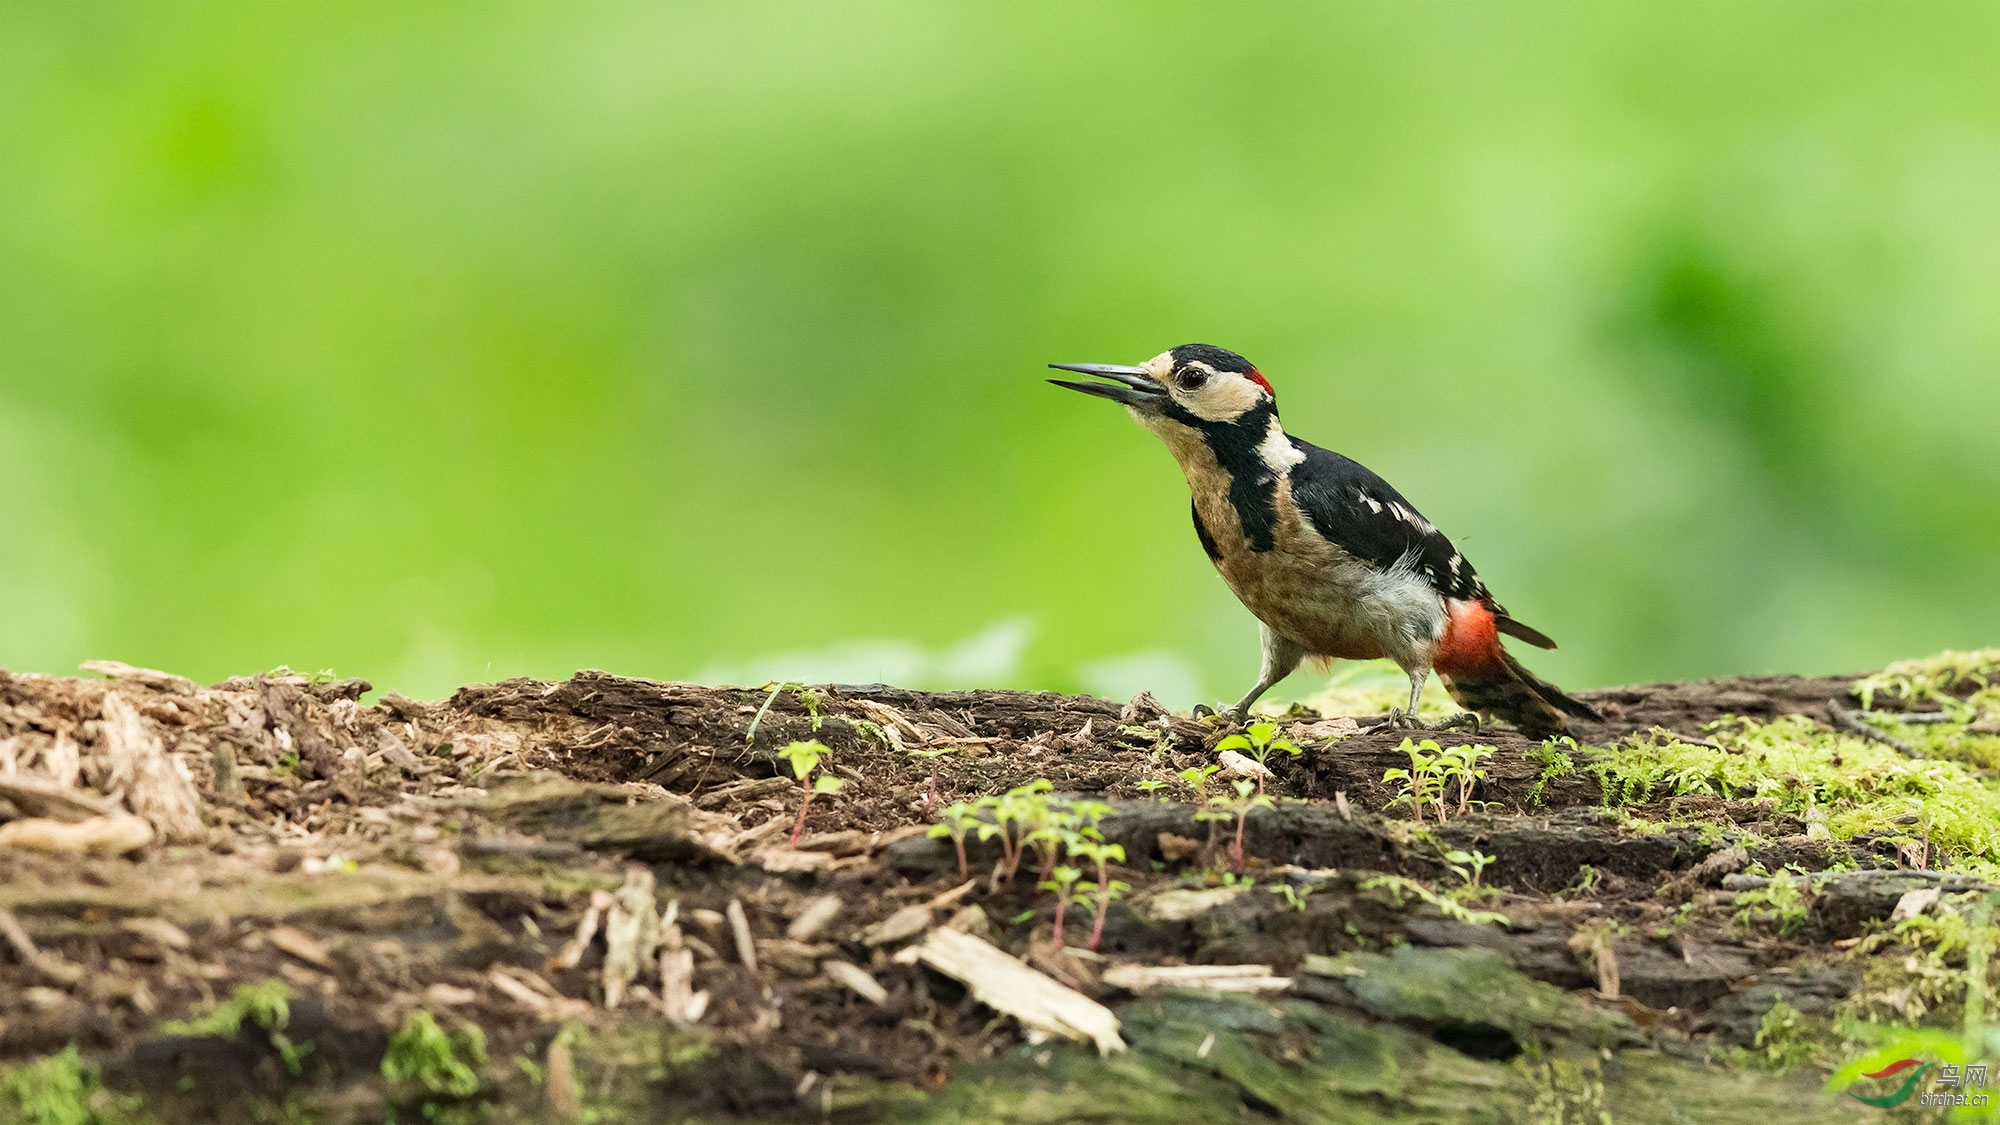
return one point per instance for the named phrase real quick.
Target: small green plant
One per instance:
(1423, 782)
(1555, 763)
(1197, 777)
(1295, 897)
(1101, 855)
(804, 758)
(1778, 902)
(266, 1004)
(442, 1063)
(64, 1089)
(1587, 879)
(1238, 808)
(960, 820)
(1398, 886)
(1260, 741)
(1467, 865)
(1461, 764)
(1064, 881)
(1151, 787)
(1016, 814)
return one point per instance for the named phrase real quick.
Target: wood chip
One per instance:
(48, 964)
(1238, 765)
(1340, 805)
(857, 980)
(1179, 904)
(739, 926)
(1011, 988)
(564, 1100)
(781, 860)
(159, 931)
(1914, 903)
(111, 835)
(586, 931)
(448, 995)
(679, 1002)
(36, 797)
(905, 923)
(155, 785)
(814, 917)
(147, 677)
(301, 945)
(1208, 978)
(631, 933)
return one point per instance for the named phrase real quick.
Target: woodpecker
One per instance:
(1331, 560)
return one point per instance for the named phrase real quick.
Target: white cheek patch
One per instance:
(1224, 398)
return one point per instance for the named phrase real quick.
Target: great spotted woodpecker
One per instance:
(1332, 561)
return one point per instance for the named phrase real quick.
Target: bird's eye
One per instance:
(1191, 378)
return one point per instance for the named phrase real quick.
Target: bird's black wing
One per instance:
(1365, 516)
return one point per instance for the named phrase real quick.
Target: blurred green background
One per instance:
(444, 342)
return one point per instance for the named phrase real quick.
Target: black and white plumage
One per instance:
(1332, 560)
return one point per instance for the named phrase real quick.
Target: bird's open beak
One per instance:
(1129, 386)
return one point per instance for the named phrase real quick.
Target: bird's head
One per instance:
(1190, 385)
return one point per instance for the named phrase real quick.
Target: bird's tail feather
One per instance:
(1504, 689)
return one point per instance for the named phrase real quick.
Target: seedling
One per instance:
(1103, 855)
(1197, 780)
(805, 758)
(1260, 741)
(1423, 782)
(1151, 787)
(1295, 897)
(1239, 807)
(1462, 763)
(1398, 885)
(1016, 813)
(1064, 882)
(1467, 865)
(959, 820)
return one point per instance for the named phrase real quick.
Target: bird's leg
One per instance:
(1281, 658)
(1398, 719)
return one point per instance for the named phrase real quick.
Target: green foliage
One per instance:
(1467, 865)
(1295, 897)
(1856, 785)
(804, 758)
(1260, 741)
(64, 1089)
(266, 1004)
(1782, 1043)
(1780, 903)
(1423, 782)
(1932, 678)
(440, 1063)
(1197, 777)
(1555, 763)
(1151, 787)
(958, 820)
(1399, 886)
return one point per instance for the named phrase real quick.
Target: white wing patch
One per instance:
(1277, 450)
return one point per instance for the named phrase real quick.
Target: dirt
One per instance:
(387, 858)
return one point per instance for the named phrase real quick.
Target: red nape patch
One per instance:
(1471, 643)
(1257, 377)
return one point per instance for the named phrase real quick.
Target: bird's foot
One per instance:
(1398, 719)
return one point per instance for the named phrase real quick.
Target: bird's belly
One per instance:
(1313, 592)
(1333, 604)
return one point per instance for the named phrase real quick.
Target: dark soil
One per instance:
(384, 858)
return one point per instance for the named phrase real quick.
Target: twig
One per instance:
(1851, 722)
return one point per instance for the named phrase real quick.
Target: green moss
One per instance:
(63, 1089)
(1779, 904)
(438, 1062)
(1938, 678)
(1855, 785)
(267, 1005)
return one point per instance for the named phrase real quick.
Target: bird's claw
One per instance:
(1398, 719)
